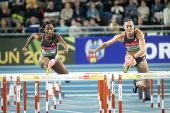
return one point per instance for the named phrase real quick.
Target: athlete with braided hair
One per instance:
(49, 42)
(134, 42)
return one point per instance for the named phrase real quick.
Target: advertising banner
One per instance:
(11, 52)
(157, 50)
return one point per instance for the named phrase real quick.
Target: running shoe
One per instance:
(135, 87)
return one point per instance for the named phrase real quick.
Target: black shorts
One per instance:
(140, 59)
(51, 57)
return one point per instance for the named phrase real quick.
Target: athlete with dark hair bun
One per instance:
(134, 42)
(49, 42)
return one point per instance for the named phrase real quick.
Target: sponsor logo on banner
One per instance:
(84, 77)
(93, 58)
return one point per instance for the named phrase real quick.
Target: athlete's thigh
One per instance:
(59, 67)
(43, 62)
(142, 67)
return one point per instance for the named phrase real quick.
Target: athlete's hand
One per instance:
(24, 50)
(91, 51)
(65, 52)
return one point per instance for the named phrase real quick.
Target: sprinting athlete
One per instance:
(49, 42)
(134, 42)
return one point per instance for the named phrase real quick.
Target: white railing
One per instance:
(99, 30)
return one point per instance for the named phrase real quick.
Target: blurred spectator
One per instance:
(3, 2)
(74, 30)
(98, 4)
(6, 14)
(107, 5)
(32, 10)
(117, 12)
(62, 28)
(19, 28)
(131, 11)
(93, 24)
(166, 14)
(58, 4)
(157, 7)
(31, 3)
(28, 22)
(155, 20)
(79, 12)
(17, 11)
(93, 13)
(68, 1)
(143, 11)
(42, 3)
(140, 24)
(51, 13)
(85, 23)
(67, 13)
(85, 27)
(123, 2)
(3, 25)
(113, 24)
(34, 26)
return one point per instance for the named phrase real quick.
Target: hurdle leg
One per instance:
(113, 94)
(8, 96)
(54, 94)
(143, 93)
(46, 96)
(151, 91)
(158, 81)
(105, 94)
(36, 93)
(25, 96)
(18, 87)
(120, 93)
(100, 95)
(59, 93)
(109, 100)
(38, 96)
(14, 94)
(4, 95)
(163, 110)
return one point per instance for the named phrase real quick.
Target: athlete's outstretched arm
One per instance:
(63, 43)
(31, 38)
(115, 39)
(142, 44)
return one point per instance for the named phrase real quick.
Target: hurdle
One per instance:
(104, 95)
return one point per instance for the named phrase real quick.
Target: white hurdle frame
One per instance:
(71, 77)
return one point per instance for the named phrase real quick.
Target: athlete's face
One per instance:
(49, 30)
(129, 27)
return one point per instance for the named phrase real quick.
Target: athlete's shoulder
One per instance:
(138, 32)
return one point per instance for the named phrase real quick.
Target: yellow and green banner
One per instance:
(11, 52)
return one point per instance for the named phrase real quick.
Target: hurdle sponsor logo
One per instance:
(84, 77)
(160, 75)
(37, 78)
(48, 77)
(96, 77)
(131, 76)
(138, 76)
